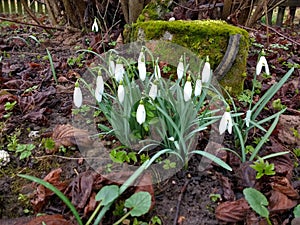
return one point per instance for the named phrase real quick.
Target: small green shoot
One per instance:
(263, 168)
(258, 202)
(9, 106)
(297, 211)
(52, 66)
(25, 150)
(49, 143)
(122, 156)
(168, 164)
(277, 105)
(215, 197)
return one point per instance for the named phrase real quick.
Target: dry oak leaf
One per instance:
(232, 212)
(68, 135)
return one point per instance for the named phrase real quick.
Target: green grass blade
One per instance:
(57, 192)
(52, 66)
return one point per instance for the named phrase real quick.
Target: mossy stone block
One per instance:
(202, 37)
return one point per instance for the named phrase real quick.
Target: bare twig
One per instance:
(183, 189)
(32, 24)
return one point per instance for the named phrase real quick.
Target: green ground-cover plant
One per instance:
(258, 202)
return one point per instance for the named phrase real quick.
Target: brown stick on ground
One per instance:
(183, 189)
(32, 24)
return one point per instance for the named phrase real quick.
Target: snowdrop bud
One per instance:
(206, 71)
(4, 158)
(198, 87)
(119, 71)
(172, 18)
(225, 123)
(157, 72)
(77, 95)
(180, 68)
(142, 66)
(262, 62)
(248, 117)
(95, 27)
(141, 113)
(111, 66)
(153, 91)
(121, 92)
(187, 90)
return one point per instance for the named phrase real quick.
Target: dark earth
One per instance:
(42, 104)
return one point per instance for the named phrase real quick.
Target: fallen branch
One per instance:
(32, 24)
(183, 189)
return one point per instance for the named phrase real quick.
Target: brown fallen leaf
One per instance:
(232, 212)
(145, 184)
(67, 135)
(228, 193)
(49, 220)
(283, 185)
(42, 192)
(286, 128)
(279, 202)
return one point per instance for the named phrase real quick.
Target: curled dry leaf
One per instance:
(49, 220)
(42, 193)
(279, 202)
(67, 135)
(5, 97)
(232, 212)
(228, 193)
(283, 185)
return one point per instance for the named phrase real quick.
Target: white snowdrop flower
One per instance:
(111, 66)
(95, 27)
(121, 92)
(142, 66)
(187, 89)
(4, 158)
(225, 123)
(198, 87)
(100, 83)
(141, 113)
(153, 91)
(180, 68)
(206, 71)
(172, 18)
(98, 94)
(262, 62)
(171, 139)
(77, 95)
(248, 117)
(157, 72)
(119, 71)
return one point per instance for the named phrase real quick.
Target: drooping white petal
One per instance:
(119, 72)
(121, 93)
(153, 91)
(112, 66)
(142, 66)
(95, 27)
(100, 84)
(262, 62)
(198, 87)
(141, 114)
(77, 96)
(187, 90)
(225, 123)
(180, 69)
(157, 72)
(206, 72)
(248, 117)
(98, 95)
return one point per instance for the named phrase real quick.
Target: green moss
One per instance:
(203, 38)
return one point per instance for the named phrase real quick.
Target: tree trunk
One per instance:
(74, 10)
(132, 9)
